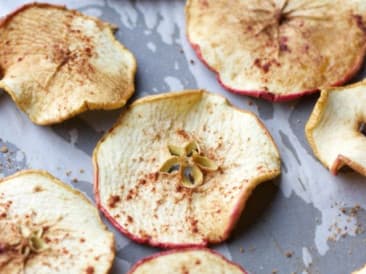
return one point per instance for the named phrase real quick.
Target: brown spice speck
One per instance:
(263, 66)
(289, 254)
(152, 176)
(37, 189)
(113, 200)
(65, 251)
(142, 182)
(129, 219)
(89, 270)
(183, 133)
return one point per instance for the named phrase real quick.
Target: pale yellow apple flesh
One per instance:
(194, 260)
(48, 227)
(56, 63)
(278, 50)
(142, 166)
(333, 129)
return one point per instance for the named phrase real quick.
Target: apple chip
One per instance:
(56, 63)
(278, 50)
(47, 227)
(192, 260)
(361, 271)
(178, 168)
(336, 128)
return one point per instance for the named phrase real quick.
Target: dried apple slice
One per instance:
(48, 227)
(361, 271)
(56, 63)
(278, 50)
(334, 129)
(178, 168)
(189, 260)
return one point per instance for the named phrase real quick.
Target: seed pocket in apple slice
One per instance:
(278, 50)
(48, 227)
(178, 168)
(56, 63)
(335, 130)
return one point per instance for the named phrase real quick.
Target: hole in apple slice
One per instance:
(363, 128)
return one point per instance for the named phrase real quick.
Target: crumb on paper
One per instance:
(289, 254)
(338, 230)
(4, 149)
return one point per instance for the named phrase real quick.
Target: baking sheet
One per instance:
(307, 221)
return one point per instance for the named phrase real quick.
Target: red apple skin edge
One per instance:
(341, 161)
(144, 260)
(133, 237)
(274, 97)
(234, 217)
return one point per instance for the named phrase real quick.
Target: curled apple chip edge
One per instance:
(74, 64)
(47, 225)
(333, 129)
(166, 207)
(200, 260)
(274, 52)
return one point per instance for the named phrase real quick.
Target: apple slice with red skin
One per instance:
(139, 184)
(334, 128)
(48, 227)
(278, 50)
(188, 260)
(56, 63)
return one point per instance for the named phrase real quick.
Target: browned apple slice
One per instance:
(178, 168)
(48, 227)
(189, 260)
(278, 50)
(335, 128)
(56, 63)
